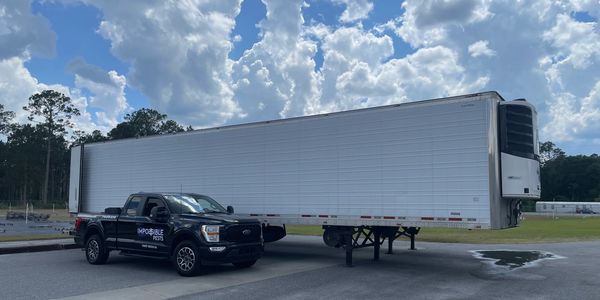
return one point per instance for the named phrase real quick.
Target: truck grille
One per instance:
(242, 233)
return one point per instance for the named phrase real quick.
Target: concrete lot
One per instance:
(301, 267)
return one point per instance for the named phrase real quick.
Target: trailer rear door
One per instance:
(75, 178)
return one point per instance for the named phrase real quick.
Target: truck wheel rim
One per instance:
(93, 250)
(186, 258)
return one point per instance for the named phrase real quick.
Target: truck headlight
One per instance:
(211, 233)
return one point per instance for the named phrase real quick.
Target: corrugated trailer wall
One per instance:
(424, 163)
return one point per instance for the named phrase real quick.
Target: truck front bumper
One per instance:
(231, 254)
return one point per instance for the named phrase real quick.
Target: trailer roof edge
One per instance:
(403, 104)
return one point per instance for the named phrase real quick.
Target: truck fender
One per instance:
(181, 235)
(91, 229)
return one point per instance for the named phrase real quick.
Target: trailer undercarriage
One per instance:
(350, 238)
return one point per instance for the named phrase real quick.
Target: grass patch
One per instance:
(33, 237)
(532, 230)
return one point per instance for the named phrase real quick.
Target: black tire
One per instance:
(95, 250)
(244, 264)
(186, 259)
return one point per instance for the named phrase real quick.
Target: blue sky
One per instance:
(226, 62)
(75, 27)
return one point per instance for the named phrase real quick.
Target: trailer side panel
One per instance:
(417, 164)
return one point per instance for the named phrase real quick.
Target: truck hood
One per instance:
(220, 218)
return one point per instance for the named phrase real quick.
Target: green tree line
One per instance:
(569, 178)
(35, 156)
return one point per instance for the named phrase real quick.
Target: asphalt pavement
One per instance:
(301, 267)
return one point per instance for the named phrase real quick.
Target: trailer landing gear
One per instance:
(351, 238)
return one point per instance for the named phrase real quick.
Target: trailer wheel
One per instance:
(95, 250)
(186, 259)
(244, 264)
(332, 238)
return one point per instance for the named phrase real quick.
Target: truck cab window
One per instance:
(192, 204)
(151, 203)
(132, 206)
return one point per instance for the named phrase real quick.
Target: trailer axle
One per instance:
(350, 238)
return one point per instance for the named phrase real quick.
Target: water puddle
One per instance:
(513, 259)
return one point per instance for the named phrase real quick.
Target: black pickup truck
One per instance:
(190, 229)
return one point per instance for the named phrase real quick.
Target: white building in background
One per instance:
(568, 207)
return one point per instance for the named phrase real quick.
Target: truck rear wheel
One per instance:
(244, 264)
(95, 250)
(186, 258)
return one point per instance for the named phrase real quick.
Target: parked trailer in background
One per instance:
(382, 172)
(568, 207)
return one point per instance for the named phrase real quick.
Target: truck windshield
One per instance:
(186, 204)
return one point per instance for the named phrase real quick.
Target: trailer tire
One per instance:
(244, 264)
(96, 252)
(186, 258)
(332, 238)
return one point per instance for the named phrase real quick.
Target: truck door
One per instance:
(152, 234)
(126, 227)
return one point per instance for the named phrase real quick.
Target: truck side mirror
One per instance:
(229, 209)
(159, 214)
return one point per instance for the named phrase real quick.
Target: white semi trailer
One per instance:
(364, 175)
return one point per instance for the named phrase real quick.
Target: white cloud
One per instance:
(573, 118)
(177, 51)
(22, 33)
(425, 23)
(108, 89)
(436, 72)
(276, 77)
(590, 6)
(355, 10)
(573, 79)
(354, 43)
(576, 41)
(16, 85)
(351, 53)
(109, 98)
(318, 30)
(481, 48)
(358, 71)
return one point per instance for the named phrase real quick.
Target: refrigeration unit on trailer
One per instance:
(365, 175)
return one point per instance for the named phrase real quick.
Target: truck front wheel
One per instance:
(95, 251)
(186, 258)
